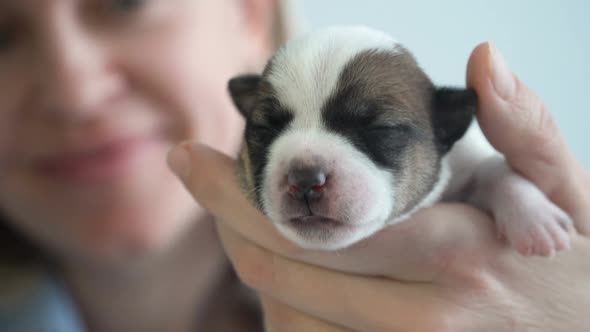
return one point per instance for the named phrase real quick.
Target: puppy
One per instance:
(345, 134)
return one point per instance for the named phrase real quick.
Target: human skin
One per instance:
(93, 94)
(442, 270)
(86, 75)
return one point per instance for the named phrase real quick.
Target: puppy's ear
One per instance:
(453, 111)
(244, 91)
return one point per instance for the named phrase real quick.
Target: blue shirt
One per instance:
(33, 300)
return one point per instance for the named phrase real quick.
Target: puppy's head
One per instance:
(345, 134)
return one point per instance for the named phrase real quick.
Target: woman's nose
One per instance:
(76, 74)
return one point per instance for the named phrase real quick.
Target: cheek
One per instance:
(353, 193)
(13, 90)
(186, 78)
(100, 223)
(7, 139)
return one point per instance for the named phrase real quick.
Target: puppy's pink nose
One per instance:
(306, 183)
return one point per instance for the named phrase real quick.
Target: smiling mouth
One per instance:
(97, 164)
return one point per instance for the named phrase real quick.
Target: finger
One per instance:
(282, 318)
(353, 301)
(517, 124)
(378, 304)
(210, 177)
(458, 230)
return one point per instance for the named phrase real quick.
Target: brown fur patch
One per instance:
(401, 94)
(395, 81)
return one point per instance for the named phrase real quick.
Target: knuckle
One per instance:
(542, 134)
(292, 250)
(201, 192)
(383, 324)
(276, 319)
(277, 324)
(254, 267)
(454, 314)
(480, 281)
(460, 269)
(461, 261)
(443, 322)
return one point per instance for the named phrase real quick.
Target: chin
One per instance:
(325, 235)
(139, 222)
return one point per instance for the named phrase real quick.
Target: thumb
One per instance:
(517, 123)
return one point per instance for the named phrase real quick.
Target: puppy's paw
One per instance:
(527, 219)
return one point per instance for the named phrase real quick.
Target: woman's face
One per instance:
(92, 95)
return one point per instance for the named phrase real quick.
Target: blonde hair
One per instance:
(286, 22)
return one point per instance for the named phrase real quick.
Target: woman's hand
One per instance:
(443, 270)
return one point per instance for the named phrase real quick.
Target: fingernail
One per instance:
(502, 77)
(179, 160)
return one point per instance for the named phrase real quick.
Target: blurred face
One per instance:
(92, 95)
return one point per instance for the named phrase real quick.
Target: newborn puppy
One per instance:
(345, 134)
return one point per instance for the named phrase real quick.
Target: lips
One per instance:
(103, 161)
(315, 223)
(314, 219)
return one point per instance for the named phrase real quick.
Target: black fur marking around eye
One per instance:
(358, 121)
(260, 135)
(386, 144)
(349, 109)
(278, 118)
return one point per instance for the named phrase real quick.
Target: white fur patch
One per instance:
(306, 71)
(438, 190)
(464, 159)
(361, 195)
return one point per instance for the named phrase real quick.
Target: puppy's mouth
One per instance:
(319, 232)
(316, 227)
(315, 221)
